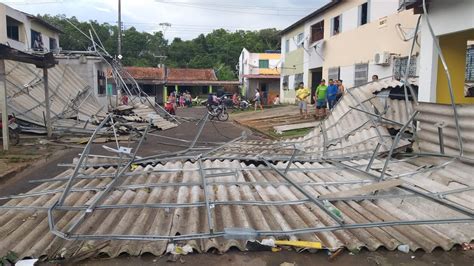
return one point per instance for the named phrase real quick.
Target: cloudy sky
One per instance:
(188, 18)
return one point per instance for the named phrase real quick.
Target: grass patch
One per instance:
(291, 133)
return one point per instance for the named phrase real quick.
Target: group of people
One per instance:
(183, 99)
(324, 97)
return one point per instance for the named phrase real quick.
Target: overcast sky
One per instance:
(188, 18)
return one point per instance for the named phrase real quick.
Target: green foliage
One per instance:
(219, 49)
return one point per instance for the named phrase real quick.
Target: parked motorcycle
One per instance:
(13, 130)
(219, 110)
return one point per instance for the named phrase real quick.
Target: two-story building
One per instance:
(26, 32)
(260, 71)
(347, 40)
(453, 27)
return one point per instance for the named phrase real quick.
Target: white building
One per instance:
(260, 71)
(348, 40)
(453, 26)
(26, 32)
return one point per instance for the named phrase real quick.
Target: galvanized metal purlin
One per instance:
(440, 195)
(451, 205)
(107, 189)
(378, 116)
(306, 193)
(369, 117)
(371, 161)
(81, 159)
(407, 70)
(210, 222)
(448, 76)
(395, 143)
(261, 233)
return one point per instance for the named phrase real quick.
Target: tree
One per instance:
(219, 49)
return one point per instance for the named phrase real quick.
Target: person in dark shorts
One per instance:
(321, 99)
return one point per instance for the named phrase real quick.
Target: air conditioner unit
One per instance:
(382, 58)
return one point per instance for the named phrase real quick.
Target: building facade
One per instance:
(26, 32)
(260, 71)
(453, 26)
(347, 40)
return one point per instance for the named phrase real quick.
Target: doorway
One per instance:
(316, 77)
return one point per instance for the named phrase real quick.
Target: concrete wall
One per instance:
(354, 44)
(24, 43)
(367, 40)
(446, 17)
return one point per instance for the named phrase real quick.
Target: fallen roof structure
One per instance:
(113, 205)
(348, 183)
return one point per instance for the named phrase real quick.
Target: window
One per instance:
(298, 80)
(263, 64)
(363, 14)
(317, 31)
(287, 46)
(400, 66)
(13, 29)
(37, 41)
(300, 40)
(53, 44)
(336, 25)
(361, 74)
(334, 73)
(100, 83)
(285, 82)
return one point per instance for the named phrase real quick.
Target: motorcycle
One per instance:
(218, 111)
(13, 130)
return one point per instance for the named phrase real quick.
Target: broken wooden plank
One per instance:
(363, 190)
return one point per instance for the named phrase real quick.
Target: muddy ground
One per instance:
(45, 166)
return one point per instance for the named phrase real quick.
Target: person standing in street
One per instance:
(332, 94)
(321, 99)
(340, 90)
(258, 100)
(302, 95)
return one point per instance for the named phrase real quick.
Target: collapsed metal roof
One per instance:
(70, 96)
(310, 188)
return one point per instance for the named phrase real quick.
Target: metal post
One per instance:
(119, 45)
(395, 143)
(3, 101)
(441, 140)
(373, 157)
(47, 103)
(306, 193)
(206, 197)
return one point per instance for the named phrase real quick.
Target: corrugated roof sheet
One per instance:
(428, 137)
(70, 96)
(26, 232)
(349, 131)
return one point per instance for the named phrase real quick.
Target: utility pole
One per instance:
(119, 46)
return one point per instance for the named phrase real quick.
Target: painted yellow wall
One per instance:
(269, 71)
(269, 56)
(360, 44)
(454, 50)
